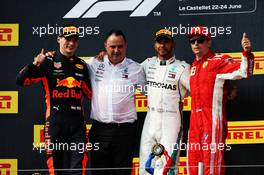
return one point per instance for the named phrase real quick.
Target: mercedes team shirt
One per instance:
(113, 88)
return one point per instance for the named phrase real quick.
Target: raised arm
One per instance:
(32, 73)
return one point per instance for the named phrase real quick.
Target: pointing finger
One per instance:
(245, 35)
(42, 51)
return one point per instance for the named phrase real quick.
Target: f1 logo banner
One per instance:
(93, 8)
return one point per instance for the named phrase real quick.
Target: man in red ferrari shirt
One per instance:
(208, 87)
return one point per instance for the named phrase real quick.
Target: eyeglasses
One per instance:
(199, 40)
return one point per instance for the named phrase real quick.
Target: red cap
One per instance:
(199, 31)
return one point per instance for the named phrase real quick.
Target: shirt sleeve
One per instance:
(30, 74)
(86, 85)
(141, 80)
(143, 64)
(228, 69)
(185, 77)
(90, 65)
(142, 77)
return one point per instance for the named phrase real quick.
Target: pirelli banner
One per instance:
(247, 132)
(28, 26)
(243, 132)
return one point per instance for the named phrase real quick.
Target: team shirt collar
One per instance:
(119, 65)
(166, 62)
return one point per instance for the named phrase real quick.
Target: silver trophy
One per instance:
(158, 149)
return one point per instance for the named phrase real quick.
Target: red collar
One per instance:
(209, 54)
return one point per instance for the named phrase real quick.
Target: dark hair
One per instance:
(115, 32)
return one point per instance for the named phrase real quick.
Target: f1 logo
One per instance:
(8, 102)
(8, 166)
(8, 34)
(93, 8)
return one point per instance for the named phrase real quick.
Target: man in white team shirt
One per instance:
(113, 109)
(167, 83)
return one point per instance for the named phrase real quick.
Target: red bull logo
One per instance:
(69, 93)
(69, 82)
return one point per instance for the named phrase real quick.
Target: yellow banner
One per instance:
(8, 102)
(141, 102)
(187, 103)
(9, 34)
(241, 132)
(181, 165)
(259, 61)
(8, 166)
(38, 133)
(245, 132)
(135, 166)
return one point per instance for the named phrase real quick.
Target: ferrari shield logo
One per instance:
(205, 64)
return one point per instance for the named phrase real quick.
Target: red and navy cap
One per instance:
(199, 31)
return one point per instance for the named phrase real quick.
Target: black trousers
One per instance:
(116, 144)
(65, 137)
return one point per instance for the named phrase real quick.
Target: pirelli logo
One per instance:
(8, 166)
(259, 61)
(9, 34)
(141, 102)
(181, 165)
(245, 132)
(39, 135)
(187, 104)
(8, 102)
(135, 166)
